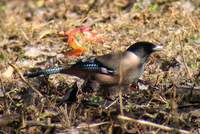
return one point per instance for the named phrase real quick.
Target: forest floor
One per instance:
(167, 102)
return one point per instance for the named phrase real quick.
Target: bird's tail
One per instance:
(45, 72)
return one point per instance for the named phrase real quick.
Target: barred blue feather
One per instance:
(90, 66)
(45, 72)
(93, 66)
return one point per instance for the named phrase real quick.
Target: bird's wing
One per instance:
(122, 61)
(92, 65)
(109, 64)
(111, 61)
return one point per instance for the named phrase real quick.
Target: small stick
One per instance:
(188, 87)
(120, 87)
(24, 80)
(147, 123)
(93, 125)
(183, 58)
(43, 124)
(112, 103)
(121, 102)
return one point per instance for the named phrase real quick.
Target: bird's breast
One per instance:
(127, 69)
(134, 75)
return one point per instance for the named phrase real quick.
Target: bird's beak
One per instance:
(158, 48)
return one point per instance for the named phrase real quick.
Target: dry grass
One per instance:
(172, 98)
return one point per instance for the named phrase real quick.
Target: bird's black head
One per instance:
(144, 49)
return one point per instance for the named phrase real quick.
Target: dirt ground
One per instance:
(169, 97)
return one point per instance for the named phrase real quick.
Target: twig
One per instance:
(112, 103)
(43, 124)
(183, 57)
(121, 102)
(192, 22)
(93, 125)
(147, 123)
(5, 120)
(121, 77)
(91, 6)
(174, 104)
(189, 105)
(188, 87)
(110, 129)
(24, 80)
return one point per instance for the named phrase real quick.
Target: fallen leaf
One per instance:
(32, 52)
(78, 37)
(45, 33)
(8, 73)
(75, 52)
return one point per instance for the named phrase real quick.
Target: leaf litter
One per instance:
(28, 39)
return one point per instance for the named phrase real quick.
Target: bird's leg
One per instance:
(121, 77)
(121, 107)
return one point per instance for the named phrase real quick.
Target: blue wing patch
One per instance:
(93, 66)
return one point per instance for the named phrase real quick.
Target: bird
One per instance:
(122, 68)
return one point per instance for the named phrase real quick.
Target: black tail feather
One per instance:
(45, 72)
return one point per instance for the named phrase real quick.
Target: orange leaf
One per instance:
(75, 52)
(77, 38)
